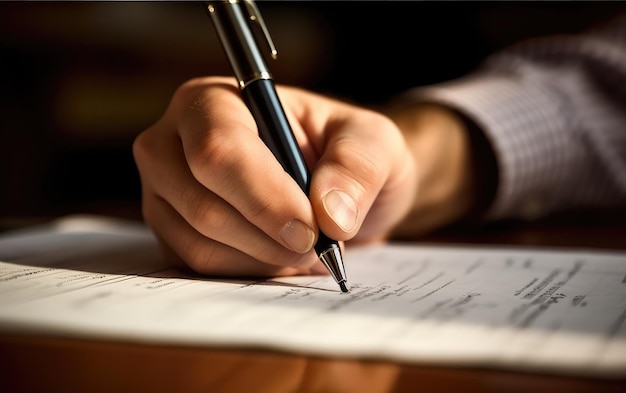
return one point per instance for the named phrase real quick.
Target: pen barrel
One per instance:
(322, 245)
(259, 94)
(262, 100)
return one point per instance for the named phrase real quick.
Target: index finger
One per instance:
(226, 155)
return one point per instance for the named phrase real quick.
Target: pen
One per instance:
(232, 20)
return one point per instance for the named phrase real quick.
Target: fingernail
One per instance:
(341, 208)
(297, 236)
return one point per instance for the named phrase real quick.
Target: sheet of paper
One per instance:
(525, 309)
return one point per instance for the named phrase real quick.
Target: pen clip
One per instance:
(255, 16)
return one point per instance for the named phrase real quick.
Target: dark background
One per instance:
(81, 79)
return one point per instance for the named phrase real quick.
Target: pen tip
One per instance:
(343, 287)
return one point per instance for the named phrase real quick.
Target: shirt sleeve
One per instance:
(554, 112)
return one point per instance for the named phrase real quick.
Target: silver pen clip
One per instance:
(255, 16)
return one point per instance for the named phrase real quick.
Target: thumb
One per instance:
(363, 154)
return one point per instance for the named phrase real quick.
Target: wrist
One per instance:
(456, 167)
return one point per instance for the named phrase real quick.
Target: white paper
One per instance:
(552, 311)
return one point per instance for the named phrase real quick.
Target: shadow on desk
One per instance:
(586, 230)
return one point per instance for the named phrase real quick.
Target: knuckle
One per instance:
(369, 162)
(215, 154)
(142, 147)
(193, 88)
(257, 208)
(200, 256)
(206, 216)
(359, 163)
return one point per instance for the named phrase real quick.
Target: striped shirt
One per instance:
(554, 111)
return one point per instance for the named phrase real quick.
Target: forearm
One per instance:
(553, 113)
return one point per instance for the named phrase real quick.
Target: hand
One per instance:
(219, 201)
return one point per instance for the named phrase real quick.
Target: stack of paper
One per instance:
(525, 309)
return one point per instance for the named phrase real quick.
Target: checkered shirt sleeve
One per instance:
(554, 111)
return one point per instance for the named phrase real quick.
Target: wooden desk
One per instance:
(32, 364)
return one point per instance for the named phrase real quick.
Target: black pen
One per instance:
(232, 20)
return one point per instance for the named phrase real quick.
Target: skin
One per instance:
(220, 203)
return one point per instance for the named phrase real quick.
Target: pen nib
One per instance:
(333, 261)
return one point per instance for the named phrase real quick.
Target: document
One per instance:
(546, 310)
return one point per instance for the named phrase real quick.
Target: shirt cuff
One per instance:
(527, 132)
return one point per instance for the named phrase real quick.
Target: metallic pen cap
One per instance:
(234, 21)
(333, 261)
